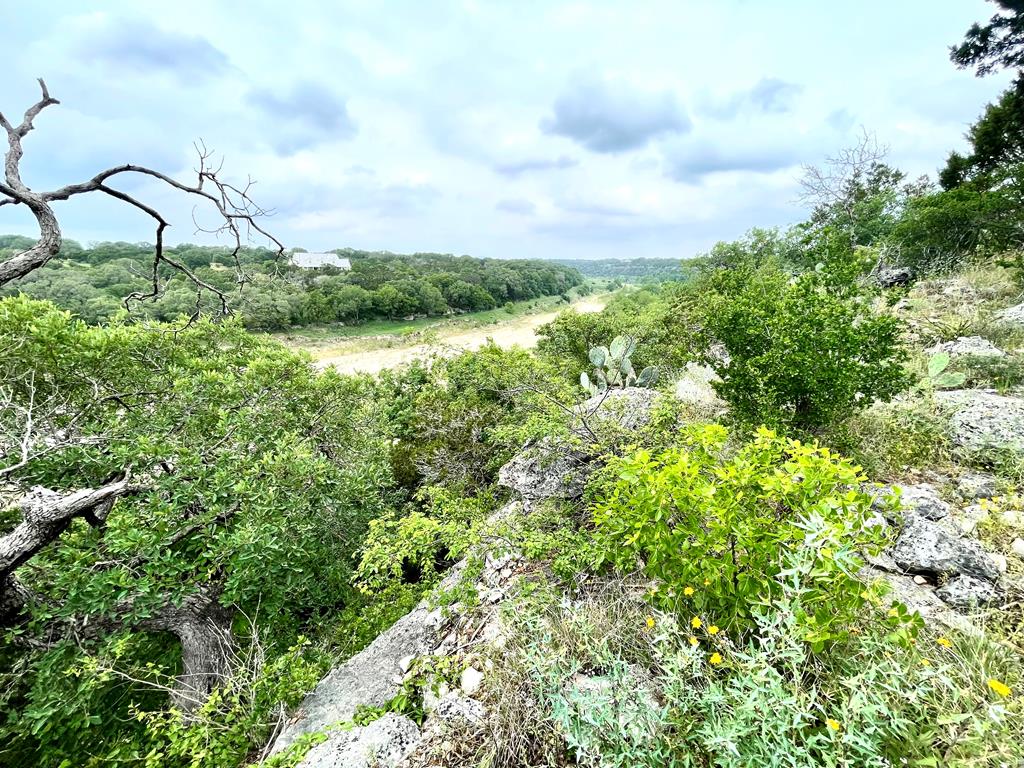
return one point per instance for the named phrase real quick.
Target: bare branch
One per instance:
(236, 209)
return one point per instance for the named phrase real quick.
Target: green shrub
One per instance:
(803, 352)
(942, 231)
(722, 536)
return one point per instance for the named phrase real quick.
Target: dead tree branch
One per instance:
(238, 213)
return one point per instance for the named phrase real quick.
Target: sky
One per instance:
(512, 129)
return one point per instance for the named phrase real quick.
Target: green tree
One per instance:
(801, 353)
(996, 45)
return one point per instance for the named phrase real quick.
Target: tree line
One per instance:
(271, 294)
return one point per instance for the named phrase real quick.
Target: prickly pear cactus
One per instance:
(613, 368)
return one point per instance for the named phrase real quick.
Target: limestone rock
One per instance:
(977, 485)
(923, 500)
(370, 678)
(384, 743)
(922, 600)
(966, 520)
(1013, 315)
(550, 469)
(983, 421)
(1017, 547)
(694, 388)
(890, 277)
(618, 409)
(471, 680)
(966, 592)
(926, 548)
(545, 471)
(968, 346)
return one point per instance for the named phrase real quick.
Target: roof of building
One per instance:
(316, 260)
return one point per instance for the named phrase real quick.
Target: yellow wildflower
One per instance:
(688, 591)
(716, 658)
(944, 642)
(926, 662)
(695, 622)
(693, 640)
(893, 613)
(650, 622)
(713, 630)
(707, 582)
(1001, 688)
(835, 725)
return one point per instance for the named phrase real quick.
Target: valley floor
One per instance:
(390, 350)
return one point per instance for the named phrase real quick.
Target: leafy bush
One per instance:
(942, 231)
(721, 535)
(802, 353)
(626, 686)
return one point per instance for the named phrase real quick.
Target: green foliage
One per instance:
(658, 318)
(803, 353)
(260, 478)
(996, 45)
(938, 377)
(724, 535)
(941, 231)
(997, 142)
(613, 368)
(625, 688)
(458, 421)
(92, 283)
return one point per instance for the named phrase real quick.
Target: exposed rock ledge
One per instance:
(374, 676)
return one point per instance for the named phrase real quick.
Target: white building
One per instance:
(318, 260)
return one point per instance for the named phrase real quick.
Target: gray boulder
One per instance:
(695, 388)
(1013, 315)
(546, 470)
(384, 743)
(983, 421)
(617, 410)
(967, 519)
(977, 485)
(967, 593)
(968, 346)
(921, 599)
(553, 469)
(923, 500)
(370, 678)
(890, 277)
(926, 548)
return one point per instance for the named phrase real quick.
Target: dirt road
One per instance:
(520, 331)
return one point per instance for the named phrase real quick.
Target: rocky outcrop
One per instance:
(370, 678)
(559, 469)
(924, 501)
(981, 421)
(546, 470)
(967, 593)
(375, 676)
(1013, 315)
(977, 485)
(384, 743)
(890, 277)
(968, 346)
(925, 547)
(695, 387)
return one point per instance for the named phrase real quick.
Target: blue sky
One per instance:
(504, 129)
